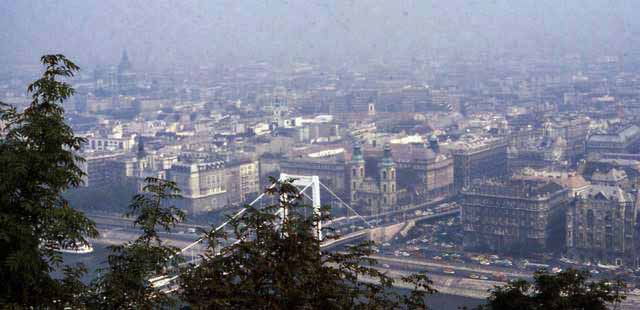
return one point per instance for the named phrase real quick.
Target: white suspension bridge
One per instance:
(167, 282)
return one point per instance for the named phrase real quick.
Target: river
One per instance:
(98, 257)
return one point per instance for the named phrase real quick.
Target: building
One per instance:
(601, 227)
(613, 177)
(126, 77)
(140, 166)
(330, 170)
(243, 181)
(479, 159)
(106, 82)
(571, 180)
(425, 170)
(518, 216)
(100, 169)
(623, 140)
(112, 80)
(573, 131)
(111, 143)
(203, 185)
(416, 99)
(375, 193)
(363, 101)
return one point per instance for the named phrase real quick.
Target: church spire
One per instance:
(141, 152)
(387, 160)
(125, 64)
(357, 153)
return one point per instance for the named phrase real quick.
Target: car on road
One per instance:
(448, 271)
(503, 262)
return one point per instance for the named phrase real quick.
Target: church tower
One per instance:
(126, 77)
(356, 171)
(387, 171)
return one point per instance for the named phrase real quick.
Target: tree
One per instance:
(124, 284)
(37, 156)
(570, 289)
(277, 263)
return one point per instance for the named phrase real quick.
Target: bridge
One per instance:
(167, 282)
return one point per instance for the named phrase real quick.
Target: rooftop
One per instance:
(604, 192)
(517, 189)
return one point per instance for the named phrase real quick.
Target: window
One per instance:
(353, 172)
(384, 188)
(362, 171)
(384, 175)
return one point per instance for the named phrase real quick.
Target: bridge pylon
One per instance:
(305, 182)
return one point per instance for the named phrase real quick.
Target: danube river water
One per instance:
(99, 255)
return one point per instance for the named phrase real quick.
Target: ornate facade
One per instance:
(601, 226)
(376, 194)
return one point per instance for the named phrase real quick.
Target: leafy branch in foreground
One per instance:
(124, 282)
(570, 289)
(276, 262)
(38, 160)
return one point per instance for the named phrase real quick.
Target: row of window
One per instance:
(384, 173)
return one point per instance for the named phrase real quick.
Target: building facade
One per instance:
(426, 171)
(243, 181)
(518, 216)
(601, 227)
(479, 160)
(376, 193)
(623, 140)
(203, 185)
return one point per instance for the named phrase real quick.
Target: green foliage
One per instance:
(570, 289)
(38, 163)
(73, 293)
(277, 263)
(124, 284)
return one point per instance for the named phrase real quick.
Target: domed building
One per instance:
(126, 76)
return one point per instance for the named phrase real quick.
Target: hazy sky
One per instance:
(163, 32)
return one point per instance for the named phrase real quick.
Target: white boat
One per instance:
(608, 267)
(78, 248)
(568, 261)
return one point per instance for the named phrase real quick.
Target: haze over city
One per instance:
(320, 154)
(164, 33)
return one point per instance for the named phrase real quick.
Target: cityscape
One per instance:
(477, 169)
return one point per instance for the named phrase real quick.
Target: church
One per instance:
(378, 191)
